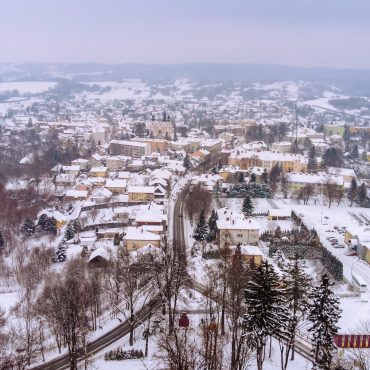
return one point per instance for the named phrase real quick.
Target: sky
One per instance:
(308, 33)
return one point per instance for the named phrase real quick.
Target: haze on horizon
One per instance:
(329, 33)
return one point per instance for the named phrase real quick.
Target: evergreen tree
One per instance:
(264, 176)
(297, 284)
(362, 195)
(346, 135)
(253, 178)
(70, 233)
(354, 152)
(266, 312)
(201, 230)
(41, 222)
(60, 253)
(187, 163)
(51, 225)
(2, 241)
(352, 191)
(284, 186)
(77, 226)
(332, 158)
(28, 228)
(212, 226)
(241, 177)
(117, 239)
(312, 162)
(247, 207)
(324, 313)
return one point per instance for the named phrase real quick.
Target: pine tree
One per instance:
(60, 253)
(352, 191)
(201, 230)
(253, 178)
(117, 239)
(2, 241)
(266, 312)
(284, 186)
(51, 225)
(264, 176)
(346, 135)
(241, 177)
(312, 162)
(354, 152)
(297, 284)
(212, 226)
(41, 222)
(362, 195)
(247, 207)
(187, 163)
(70, 233)
(324, 313)
(28, 228)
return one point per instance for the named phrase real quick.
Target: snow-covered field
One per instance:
(33, 87)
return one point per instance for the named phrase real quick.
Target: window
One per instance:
(239, 235)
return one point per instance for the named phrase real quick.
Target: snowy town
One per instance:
(162, 214)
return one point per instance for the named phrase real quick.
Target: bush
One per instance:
(119, 354)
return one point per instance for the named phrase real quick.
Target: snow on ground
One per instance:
(33, 87)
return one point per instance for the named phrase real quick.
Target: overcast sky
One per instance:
(331, 33)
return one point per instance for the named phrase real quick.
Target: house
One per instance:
(99, 257)
(101, 195)
(116, 186)
(297, 181)
(156, 145)
(267, 159)
(129, 148)
(98, 171)
(250, 253)
(81, 162)
(71, 170)
(74, 194)
(159, 192)
(64, 179)
(282, 147)
(140, 193)
(137, 237)
(279, 214)
(234, 228)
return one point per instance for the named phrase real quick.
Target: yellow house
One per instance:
(137, 237)
(99, 171)
(140, 193)
(251, 252)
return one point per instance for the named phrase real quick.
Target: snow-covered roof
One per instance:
(250, 250)
(312, 178)
(73, 193)
(280, 212)
(341, 171)
(141, 189)
(100, 252)
(116, 183)
(138, 233)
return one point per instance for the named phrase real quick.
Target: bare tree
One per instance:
(65, 302)
(129, 283)
(178, 351)
(198, 199)
(331, 191)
